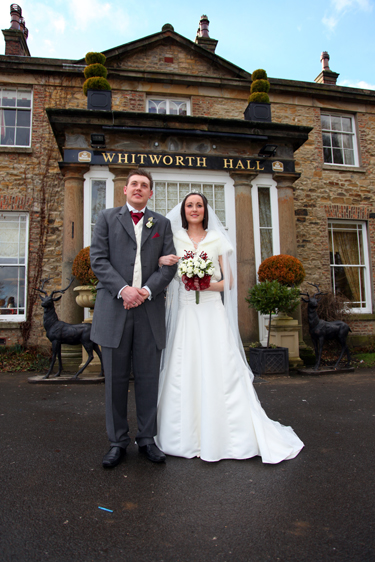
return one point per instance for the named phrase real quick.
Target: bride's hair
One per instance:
(205, 205)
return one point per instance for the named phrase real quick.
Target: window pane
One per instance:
(23, 98)
(337, 156)
(266, 250)
(9, 98)
(327, 155)
(335, 123)
(346, 124)
(326, 139)
(22, 137)
(349, 157)
(23, 118)
(336, 140)
(326, 122)
(98, 196)
(264, 207)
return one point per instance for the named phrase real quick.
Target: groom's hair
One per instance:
(205, 204)
(140, 172)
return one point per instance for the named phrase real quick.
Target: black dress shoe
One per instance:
(152, 452)
(113, 457)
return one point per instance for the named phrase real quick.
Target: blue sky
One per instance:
(286, 38)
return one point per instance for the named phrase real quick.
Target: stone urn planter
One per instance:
(258, 112)
(86, 299)
(269, 361)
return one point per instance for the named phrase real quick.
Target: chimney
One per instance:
(203, 37)
(16, 36)
(326, 76)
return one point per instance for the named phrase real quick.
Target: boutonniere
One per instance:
(150, 222)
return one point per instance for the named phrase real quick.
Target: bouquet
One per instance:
(195, 271)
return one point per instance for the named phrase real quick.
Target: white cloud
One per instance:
(360, 84)
(340, 8)
(85, 12)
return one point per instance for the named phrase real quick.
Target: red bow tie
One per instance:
(136, 216)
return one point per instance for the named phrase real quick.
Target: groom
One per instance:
(129, 316)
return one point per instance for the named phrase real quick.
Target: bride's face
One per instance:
(194, 209)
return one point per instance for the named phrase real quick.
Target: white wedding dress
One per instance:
(207, 404)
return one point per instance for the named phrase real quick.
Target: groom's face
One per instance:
(138, 191)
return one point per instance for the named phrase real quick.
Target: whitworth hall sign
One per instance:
(181, 161)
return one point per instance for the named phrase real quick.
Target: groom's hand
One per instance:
(132, 297)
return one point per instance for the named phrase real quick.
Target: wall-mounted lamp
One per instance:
(97, 141)
(267, 151)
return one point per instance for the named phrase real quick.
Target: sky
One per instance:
(285, 38)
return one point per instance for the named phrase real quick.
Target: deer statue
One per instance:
(320, 330)
(59, 332)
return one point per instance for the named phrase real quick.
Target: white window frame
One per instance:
(95, 173)
(168, 100)
(353, 134)
(19, 317)
(367, 279)
(17, 109)
(265, 180)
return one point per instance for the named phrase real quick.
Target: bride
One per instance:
(207, 405)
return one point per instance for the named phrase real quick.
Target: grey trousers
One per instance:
(137, 347)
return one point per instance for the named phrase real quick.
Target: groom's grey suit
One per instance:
(138, 334)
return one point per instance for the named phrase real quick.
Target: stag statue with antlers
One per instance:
(59, 332)
(320, 330)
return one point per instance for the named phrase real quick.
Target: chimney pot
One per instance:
(22, 25)
(324, 59)
(203, 37)
(15, 16)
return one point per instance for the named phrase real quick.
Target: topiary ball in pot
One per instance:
(285, 269)
(260, 87)
(81, 268)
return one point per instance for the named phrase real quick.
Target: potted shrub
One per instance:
(96, 86)
(82, 271)
(259, 108)
(284, 331)
(271, 297)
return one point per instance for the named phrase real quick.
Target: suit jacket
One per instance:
(113, 252)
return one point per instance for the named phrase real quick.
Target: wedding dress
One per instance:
(207, 405)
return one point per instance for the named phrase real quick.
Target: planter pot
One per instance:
(99, 99)
(86, 299)
(269, 361)
(258, 112)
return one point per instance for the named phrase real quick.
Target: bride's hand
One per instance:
(171, 259)
(197, 287)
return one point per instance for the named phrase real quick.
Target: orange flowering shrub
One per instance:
(287, 270)
(82, 268)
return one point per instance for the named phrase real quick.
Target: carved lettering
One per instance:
(240, 165)
(190, 158)
(142, 157)
(228, 163)
(133, 159)
(259, 169)
(249, 167)
(180, 161)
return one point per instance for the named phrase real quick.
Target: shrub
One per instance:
(271, 297)
(82, 268)
(95, 70)
(260, 87)
(259, 74)
(259, 97)
(96, 83)
(92, 58)
(285, 269)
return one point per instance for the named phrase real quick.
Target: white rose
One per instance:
(201, 274)
(196, 270)
(210, 271)
(203, 265)
(189, 275)
(189, 270)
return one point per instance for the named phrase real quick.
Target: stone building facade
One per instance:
(178, 109)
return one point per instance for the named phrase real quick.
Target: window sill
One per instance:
(362, 316)
(19, 149)
(9, 324)
(337, 168)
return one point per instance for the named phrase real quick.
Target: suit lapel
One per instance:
(127, 222)
(147, 231)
